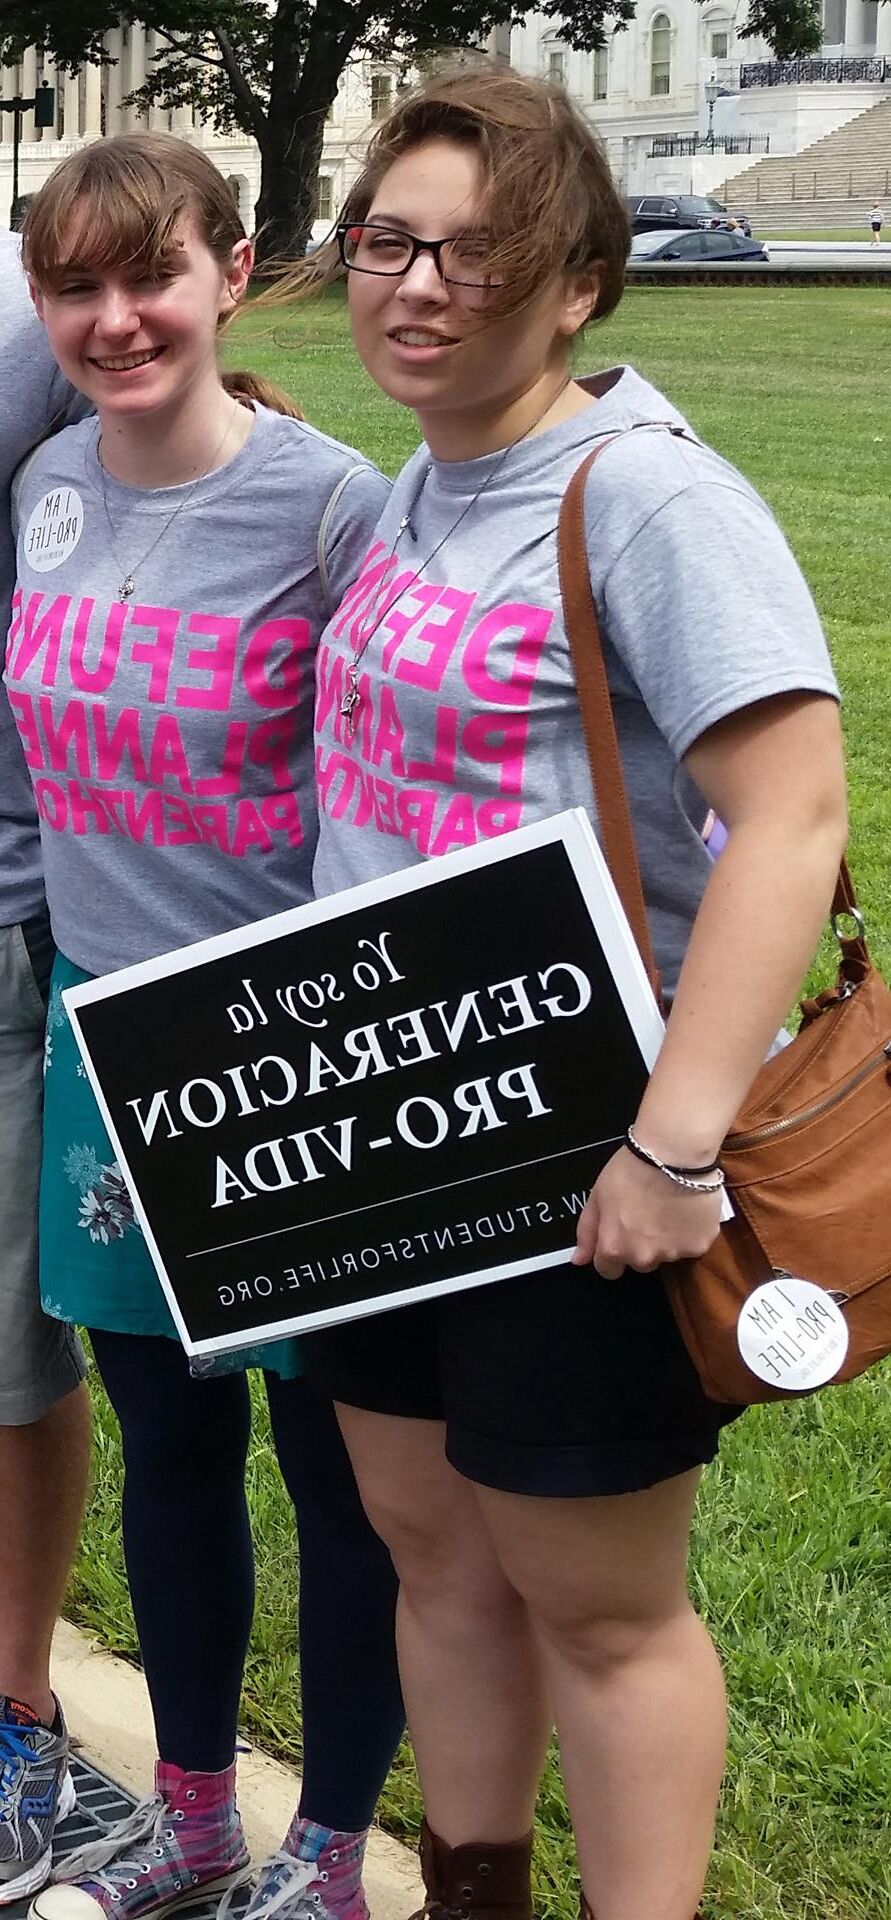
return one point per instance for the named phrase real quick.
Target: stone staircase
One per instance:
(830, 184)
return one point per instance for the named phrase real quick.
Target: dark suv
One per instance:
(650, 212)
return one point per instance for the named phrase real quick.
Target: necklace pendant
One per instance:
(351, 701)
(126, 587)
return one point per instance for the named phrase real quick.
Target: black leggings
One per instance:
(190, 1564)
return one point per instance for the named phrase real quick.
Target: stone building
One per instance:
(682, 101)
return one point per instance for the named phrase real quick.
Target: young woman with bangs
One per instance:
(531, 1450)
(171, 559)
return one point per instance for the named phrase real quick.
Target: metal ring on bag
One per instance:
(848, 913)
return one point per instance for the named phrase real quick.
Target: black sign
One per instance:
(403, 1090)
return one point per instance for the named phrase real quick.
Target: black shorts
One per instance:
(556, 1383)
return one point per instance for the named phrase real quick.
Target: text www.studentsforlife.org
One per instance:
(481, 1229)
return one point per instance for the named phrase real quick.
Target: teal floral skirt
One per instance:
(95, 1268)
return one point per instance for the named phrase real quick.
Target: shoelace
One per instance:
(14, 1755)
(291, 1877)
(144, 1823)
(9, 1776)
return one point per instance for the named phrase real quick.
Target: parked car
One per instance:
(697, 246)
(647, 212)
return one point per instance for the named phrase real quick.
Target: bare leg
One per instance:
(471, 1674)
(635, 1684)
(44, 1472)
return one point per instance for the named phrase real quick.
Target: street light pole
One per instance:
(44, 105)
(711, 93)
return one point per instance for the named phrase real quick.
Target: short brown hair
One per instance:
(551, 204)
(124, 198)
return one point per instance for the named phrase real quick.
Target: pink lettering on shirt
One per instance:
(443, 771)
(272, 662)
(440, 637)
(531, 625)
(96, 679)
(157, 653)
(39, 633)
(217, 662)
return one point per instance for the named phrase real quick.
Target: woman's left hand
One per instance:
(636, 1217)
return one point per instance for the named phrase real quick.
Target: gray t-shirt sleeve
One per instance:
(705, 605)
(359, 504)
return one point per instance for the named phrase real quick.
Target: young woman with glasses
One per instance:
(531, 1450)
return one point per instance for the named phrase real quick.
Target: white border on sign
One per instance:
(573, 830)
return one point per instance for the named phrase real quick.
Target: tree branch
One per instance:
(189, 50)
(243, 93)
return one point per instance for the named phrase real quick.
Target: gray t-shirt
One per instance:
(169, 734)
(33, 395)
(469, 725)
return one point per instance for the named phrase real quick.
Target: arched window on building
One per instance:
(557, 66)
(600, 73)
(660, 54)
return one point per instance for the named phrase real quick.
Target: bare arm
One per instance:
(774, 774)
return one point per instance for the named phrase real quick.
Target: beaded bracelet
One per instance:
(708, 1179)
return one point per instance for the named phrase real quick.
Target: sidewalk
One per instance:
(109, 1718)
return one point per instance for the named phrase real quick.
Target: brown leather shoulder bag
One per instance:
(808, 1160)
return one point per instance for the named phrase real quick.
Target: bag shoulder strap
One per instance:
(601, 740)
(331, 506)
(589, 667)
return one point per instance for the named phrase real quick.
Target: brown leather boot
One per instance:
(586, 1914)
(476, 1881)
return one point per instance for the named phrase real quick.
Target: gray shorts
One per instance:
(40, 1359)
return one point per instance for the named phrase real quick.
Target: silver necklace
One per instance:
(352, 698)
(128, 583)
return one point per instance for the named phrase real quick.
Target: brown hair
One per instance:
(121, 202)
(551, 205)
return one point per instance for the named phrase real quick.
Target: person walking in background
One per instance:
(876, 223)
(44, 1415)
(531, 1449)
(160, 668)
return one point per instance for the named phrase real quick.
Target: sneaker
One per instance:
(185, 1838)
(323, 1881)
(281, 1889)
(36, 1792)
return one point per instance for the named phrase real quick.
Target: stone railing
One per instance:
(799, 73)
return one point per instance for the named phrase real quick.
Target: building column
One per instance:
(157, 115)
(855, 24)
(114, 83)
(135, 73)
(71, 106)
(92, 102)
(29, 88)
(883, 30)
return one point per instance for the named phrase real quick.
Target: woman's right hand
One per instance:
(636, 1217)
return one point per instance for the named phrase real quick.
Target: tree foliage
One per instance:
(790, 27)
(271, 68)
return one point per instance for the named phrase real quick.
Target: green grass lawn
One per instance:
(792, 1556)
(828, 233)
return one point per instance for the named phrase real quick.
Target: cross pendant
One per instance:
(351, 700)
(126, 587)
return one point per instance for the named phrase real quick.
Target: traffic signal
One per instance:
(45, 105)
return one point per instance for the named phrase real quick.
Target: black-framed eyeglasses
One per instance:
(368, 248)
